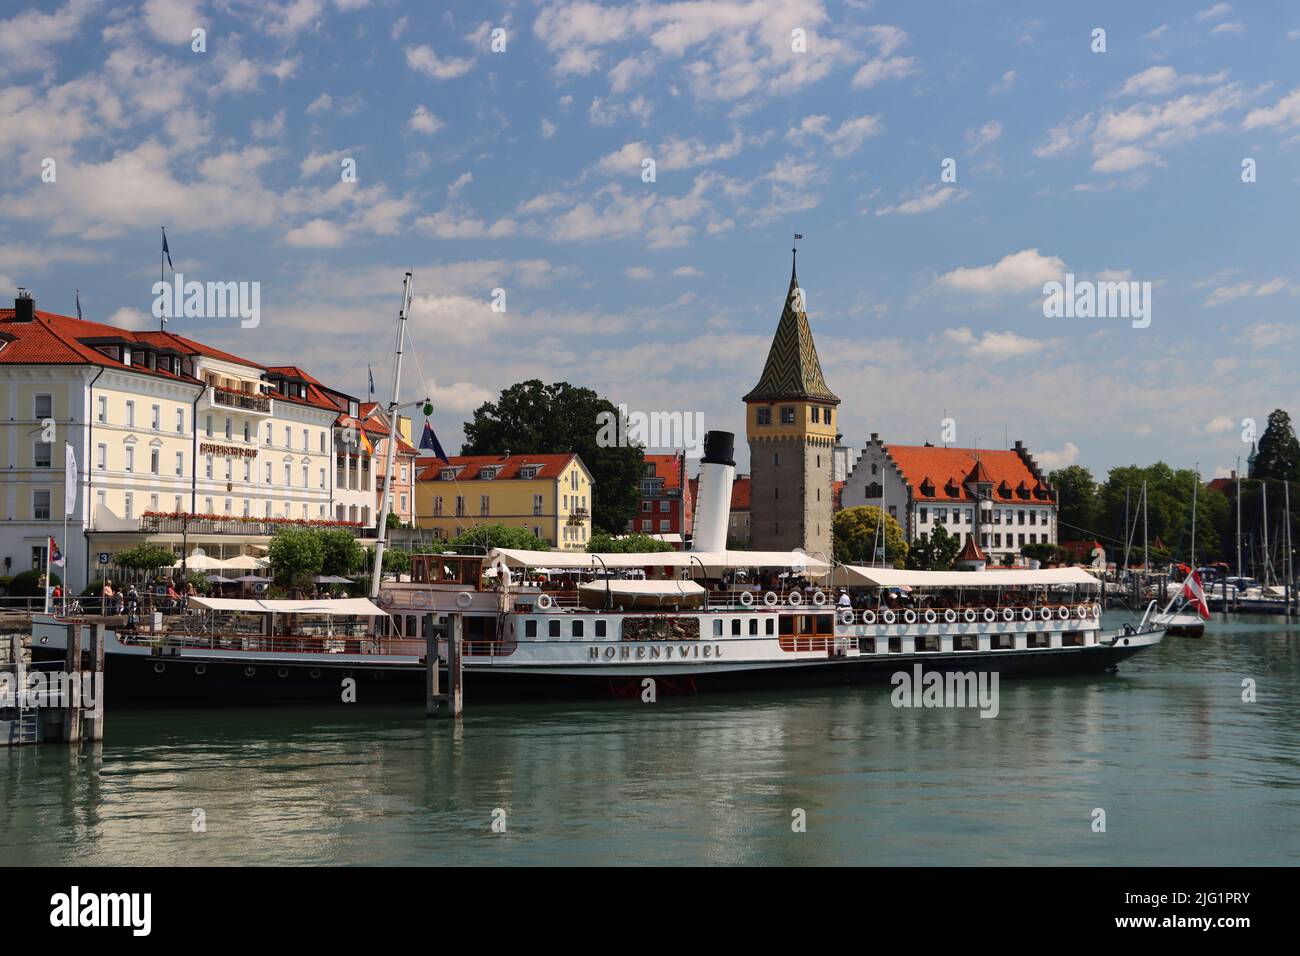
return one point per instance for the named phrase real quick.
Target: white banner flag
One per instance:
(70, 481)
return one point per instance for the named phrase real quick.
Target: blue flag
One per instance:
(430, 441)
(167, 252)
(371, 372)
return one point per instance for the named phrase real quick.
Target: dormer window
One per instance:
(448, 474)
(528, 472)
(487, 474)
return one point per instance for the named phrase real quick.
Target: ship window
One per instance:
(577, 628)
(753, 625)
(787, 624)
(412, 625)
(825, 624)
(600, 628)
(1072, 639)
(965, 642)
(555, 628)
(927, 642)
(867, 645)
(530, 628)
(735, 627)
(895, 645)
(1002, 642)
(1038, 639)
(717, 627)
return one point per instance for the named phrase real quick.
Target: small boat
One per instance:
(640, 595)
(1187, 611)
(1182, 623)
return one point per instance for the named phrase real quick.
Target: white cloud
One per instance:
(1233, 27)
(1021, 271)
(1159, 80)
(424, 60)
(171, 21)
(317, 234)
(994, 346)
(689, 272)
(640, 273)
(844, 140)
(1216, 12)
(1227, 293)
(986, 134)
(1157, 33)
(1283, 114)
(422, 121)
(1063, 457)
(1004, 83)
(320, 104)
(25, 39)
(548, 128)
(1220, 424)
(931, 198)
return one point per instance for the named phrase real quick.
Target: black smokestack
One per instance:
(719, 448)
(24, 307)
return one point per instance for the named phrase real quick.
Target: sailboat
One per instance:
(1187, 611)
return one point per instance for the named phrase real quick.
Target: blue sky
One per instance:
(521, 170)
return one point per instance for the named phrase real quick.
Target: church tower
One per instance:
(790, 419)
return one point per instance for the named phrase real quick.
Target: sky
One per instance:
(942, 161)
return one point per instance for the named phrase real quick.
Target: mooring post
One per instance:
(95, 716)
(72, 669)
(455, 681)
(432, 695)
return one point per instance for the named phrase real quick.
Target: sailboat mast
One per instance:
(381, 537)
(1195, 487)
(1265, 489)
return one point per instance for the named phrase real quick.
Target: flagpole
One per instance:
(67, 445)
(162, 275)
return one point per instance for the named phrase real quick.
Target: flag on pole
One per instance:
(371, 373)
(78, 303)
(55, 556)
(1195, 595)
(365, 442)
(69, 479)
(166, 251)
(430, 441)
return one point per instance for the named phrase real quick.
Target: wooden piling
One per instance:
(433, 696)
(455, 670)
(95, 717)
(72, 667)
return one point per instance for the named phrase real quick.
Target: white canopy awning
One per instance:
(711, 560)
(341, 607)
(646, 588)
(989, 578)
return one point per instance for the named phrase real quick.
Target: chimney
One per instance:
(713, 501)
(24, 306)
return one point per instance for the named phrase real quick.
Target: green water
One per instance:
(1187, 773)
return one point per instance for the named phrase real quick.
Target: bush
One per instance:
(28, 584)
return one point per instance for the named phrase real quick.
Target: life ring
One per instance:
(544, 601)
(464, 599)
(419, 598)
(747, 598)
(888, 616)
(1045, 613)
(846, 615)
(385, 598)
(969, 615)
(1081, 612)
(159, 667)
(930, 615)
(909, 616)
(819, 598)
(950, 616)
(1027, 614)
(1096, 610)
(990, 615)
(795, 599)
(282, 672)
(770, 599)
(314, 672)
(1008, 614)
(1063, 613)
(868, 616)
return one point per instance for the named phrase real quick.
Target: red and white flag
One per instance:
(55, 555)
(1195, 595)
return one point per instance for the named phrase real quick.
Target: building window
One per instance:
(537, 504)
(180, 421)
(826, 416)
(130, 414)
(229, 471)
(484, 506)
(129, 507)
(776, 458)
(207, 467)
(306, 477)
(647, 525)
(41, 504)
(763, 416)
(268, 472)
(437, 507)
(207, 425)
(816, 414)
(322, 477)
(41, 454)
(460, 506)
(155, 417)
(153, 461)
(288, 436)
(924, 515)
(403, 505)
(130, 458)
(101, 457)
(663, 524)
(103, 408)
(787, 414)
(288, 475)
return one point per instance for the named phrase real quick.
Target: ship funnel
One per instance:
(713, 503)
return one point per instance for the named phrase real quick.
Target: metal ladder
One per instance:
(28, 727)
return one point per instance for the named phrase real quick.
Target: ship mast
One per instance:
(381, 537)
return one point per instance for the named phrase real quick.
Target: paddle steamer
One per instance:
(690, 620)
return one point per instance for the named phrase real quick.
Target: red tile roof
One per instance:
(549, 466)
(940, 474)
(667, 467)
(740, 491)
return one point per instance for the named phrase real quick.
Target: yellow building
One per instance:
(549, 495)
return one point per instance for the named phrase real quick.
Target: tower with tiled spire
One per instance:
(790, 420)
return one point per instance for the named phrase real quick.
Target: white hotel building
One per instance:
(176, 442)
(998, 498)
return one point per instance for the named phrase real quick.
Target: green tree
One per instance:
(1044, 553)
(145, 557)
(1168, 511)
(341, 553)
(1278, 455)
(296, 556)
(602, 542)
(485, 537)
(534, 418)
(854, 532)
(1078, 502)
(935, 551)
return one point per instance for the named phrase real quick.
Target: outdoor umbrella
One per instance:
(243, 562)
(200, 562)
(253, 579)
(218, 579)
(331, 579)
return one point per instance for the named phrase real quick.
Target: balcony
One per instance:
(231, 524)
(229, 398)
